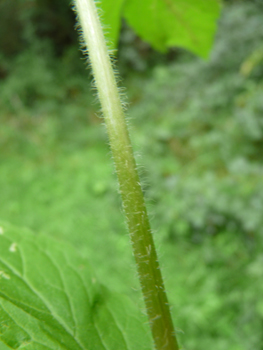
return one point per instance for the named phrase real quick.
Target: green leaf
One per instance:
(190, 24)
(50, 300)
(164, 23)
(111, 20)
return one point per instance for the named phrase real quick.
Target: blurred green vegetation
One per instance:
(197, 130)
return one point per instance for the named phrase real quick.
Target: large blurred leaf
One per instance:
(49, 299)
(165, 23)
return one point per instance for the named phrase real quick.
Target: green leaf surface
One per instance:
(51, 300)
(190, 24)
(111, 20)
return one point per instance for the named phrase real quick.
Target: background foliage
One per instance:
(197, 127)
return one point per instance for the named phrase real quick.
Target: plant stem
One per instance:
(133, 202)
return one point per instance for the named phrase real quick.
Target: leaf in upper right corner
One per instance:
(190, 24)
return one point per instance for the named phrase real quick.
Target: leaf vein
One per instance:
(58, 319)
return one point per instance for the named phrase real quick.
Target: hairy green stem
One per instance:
(133, 202)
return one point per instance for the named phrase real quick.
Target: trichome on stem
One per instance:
(132, 197)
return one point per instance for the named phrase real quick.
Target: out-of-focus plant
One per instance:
(47, 290)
